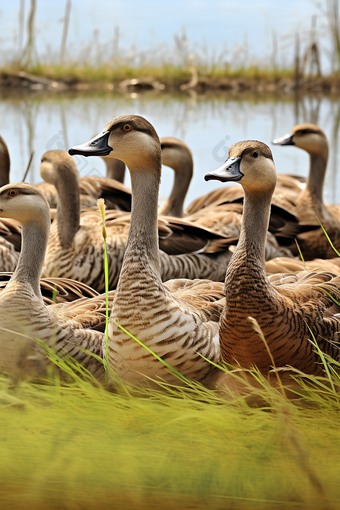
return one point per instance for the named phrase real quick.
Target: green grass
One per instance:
(76, 445)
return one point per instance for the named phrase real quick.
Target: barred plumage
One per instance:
(214, 214)
(283, 311)
(76, 248)
(66, 327)
(176, 327)
(308, 203)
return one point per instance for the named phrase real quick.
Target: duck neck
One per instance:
(34, 240)
(143, 232)
(173, 206)
(254, 228)
(68, 210)
(317, 170)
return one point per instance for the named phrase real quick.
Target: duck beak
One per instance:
(229, 171)
(97, 146)
(285, 140)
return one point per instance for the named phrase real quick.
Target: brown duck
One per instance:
(284, 312)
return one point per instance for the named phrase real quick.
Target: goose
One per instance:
(91, 188)
(66, 327)
(283, 311)
(76, 248)
(116, 195)
(177, 155)
(308, 203)
(223, 218)
(177, 320)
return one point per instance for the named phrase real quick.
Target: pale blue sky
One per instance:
(150, 23)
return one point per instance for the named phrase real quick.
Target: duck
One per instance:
(220, 217)
(116, 195)
(67, 328)
(177, 155)
(91, 188)
(286, 313)
(308, 202)
(76, 249)
(178, 321)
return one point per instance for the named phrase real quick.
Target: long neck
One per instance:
(34, 240)
(251, 246)
(143, 233)
(173, 206)
(317, 170)
(115, 169)
(182, 165)
(68, 211)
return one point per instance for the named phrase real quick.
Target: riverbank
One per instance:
(166, 78)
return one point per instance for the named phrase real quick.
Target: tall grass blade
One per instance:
(300, 253)
(322, 356)
(101, 206)
(328, 239)
(28, 167)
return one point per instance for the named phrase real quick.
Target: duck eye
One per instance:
(12, 193)
(127, 127)
(255, 154)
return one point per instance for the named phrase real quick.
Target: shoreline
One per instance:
(185, 83)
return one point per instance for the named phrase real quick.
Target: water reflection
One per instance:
(208, 124)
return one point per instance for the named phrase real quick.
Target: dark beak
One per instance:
(229, 171)
(284, 140)
(98, 146)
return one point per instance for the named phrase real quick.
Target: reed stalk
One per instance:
(27, 57)
(101, 206)
(66, 22)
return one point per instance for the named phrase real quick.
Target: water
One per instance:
(208, 124)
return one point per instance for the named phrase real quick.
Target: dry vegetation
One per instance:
(293, 62)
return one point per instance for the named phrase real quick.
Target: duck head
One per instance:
(23, 202)
(308, 137)
(130, 138)
(250, 163)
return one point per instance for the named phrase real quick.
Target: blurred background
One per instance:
(210, 72)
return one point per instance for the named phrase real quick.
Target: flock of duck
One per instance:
(167, 266)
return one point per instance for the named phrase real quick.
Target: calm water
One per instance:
(207, 124)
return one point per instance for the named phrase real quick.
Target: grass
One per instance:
(70, 443)
(67, 442)
(76, 445)
(168, 74)
(110, 61)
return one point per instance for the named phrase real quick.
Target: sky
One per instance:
(149, 23)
